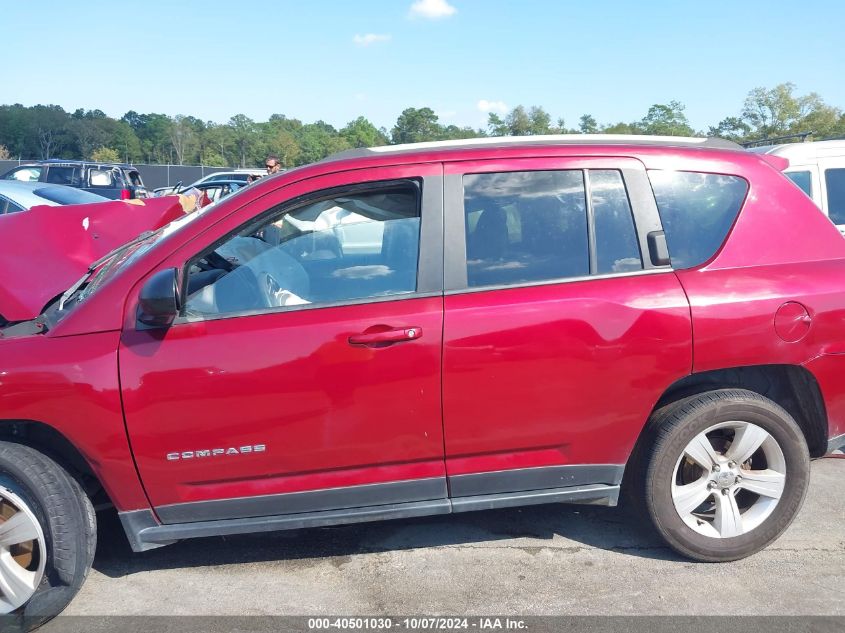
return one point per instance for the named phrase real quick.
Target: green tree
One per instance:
(496, 126)
(621, 128)
(587, 124)
(362, 133)
(244, 135)
(105, 155)
(539, 121)
(416, 125)
(318, 140)
(731, 128)
(666, 120)
(518, 122)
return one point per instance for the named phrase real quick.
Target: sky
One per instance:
(335, 60)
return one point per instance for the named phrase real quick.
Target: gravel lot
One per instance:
(553, 559)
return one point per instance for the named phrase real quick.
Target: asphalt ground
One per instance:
(539, 560)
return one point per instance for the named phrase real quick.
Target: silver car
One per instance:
(19, 196)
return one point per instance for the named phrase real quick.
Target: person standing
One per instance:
(271, 163)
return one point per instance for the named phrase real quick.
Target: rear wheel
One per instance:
(47, 536)
(726, 475)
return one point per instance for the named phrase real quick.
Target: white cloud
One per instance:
(432, 9)
(492, 106)
(370, 38)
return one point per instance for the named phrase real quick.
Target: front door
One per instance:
(304, 372)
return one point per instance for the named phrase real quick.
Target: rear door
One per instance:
(560, 331)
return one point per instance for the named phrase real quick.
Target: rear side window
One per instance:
(835, 184)
(135, 179)
(59, 175)
(803, 180)
(617, 249)
(523, 227)
(697, 211)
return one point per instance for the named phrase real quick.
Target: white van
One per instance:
(818, 168)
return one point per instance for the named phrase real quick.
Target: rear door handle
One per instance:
(386, 336)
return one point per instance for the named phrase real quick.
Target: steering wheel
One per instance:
(271, 290)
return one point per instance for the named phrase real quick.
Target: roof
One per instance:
(24, 194)
(801, 152)
(552, 139)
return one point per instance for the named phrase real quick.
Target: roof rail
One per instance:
(774, 140)
(550, 139)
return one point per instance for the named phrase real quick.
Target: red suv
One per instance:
(430, 329)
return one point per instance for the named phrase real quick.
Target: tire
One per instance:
(60, 516)
(748, 496)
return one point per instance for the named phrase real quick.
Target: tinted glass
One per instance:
(350, 247)
(697, 211)
(67, 195)
(135, 178)
(11, 207)
(835, 184)
(63, 176)
(803, 180)
(525, 226)
(617, 249)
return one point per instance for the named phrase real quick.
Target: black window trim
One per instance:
(640, 198)
(429, 259)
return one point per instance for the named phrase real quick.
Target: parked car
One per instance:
(114, 181)
(239, 175)
(439, 328)
(18, 196)
(818, 168)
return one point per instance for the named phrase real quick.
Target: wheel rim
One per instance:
(22, 552)
(729, 479)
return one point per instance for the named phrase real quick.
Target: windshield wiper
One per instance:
(96, 264)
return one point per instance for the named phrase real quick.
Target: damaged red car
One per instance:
(434, 329)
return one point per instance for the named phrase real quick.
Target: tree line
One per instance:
(48, 131)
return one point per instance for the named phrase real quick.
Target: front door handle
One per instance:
(382, 336)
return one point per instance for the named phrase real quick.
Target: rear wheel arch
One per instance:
(792, 387)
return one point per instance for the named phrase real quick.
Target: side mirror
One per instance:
(158, 302)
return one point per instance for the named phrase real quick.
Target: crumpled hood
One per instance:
(44, 250)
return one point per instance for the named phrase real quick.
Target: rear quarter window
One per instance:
(697, 211)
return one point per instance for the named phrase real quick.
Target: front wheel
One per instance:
(47, 537)
(726, 475)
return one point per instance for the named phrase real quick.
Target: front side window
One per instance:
(347, 247)
(697, 210)
(524, 227)
(7, 206)
(835, 185)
